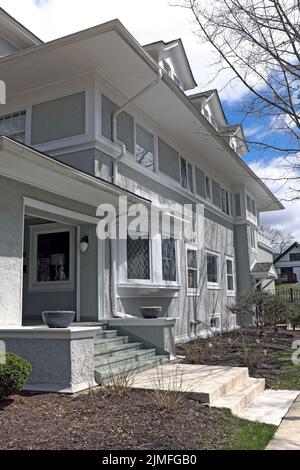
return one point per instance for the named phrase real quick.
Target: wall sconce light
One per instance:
(84, 244)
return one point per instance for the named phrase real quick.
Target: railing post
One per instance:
(292, 295)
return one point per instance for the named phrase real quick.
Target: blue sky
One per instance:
(152, 20)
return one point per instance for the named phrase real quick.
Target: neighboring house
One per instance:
(166, 150)
(288, 265)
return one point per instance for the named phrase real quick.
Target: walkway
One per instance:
(287, 436)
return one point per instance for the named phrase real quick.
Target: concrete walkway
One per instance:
(287, 436)
(270, 406)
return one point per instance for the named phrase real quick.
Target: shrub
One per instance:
(13, 374)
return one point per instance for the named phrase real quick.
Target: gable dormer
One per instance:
(209, 104)
(14, 36)
(236, 138)
(172, 58)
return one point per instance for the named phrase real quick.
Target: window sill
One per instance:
(213, 286)
(231, 294)
(149, 286)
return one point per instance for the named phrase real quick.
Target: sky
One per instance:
(149, 21)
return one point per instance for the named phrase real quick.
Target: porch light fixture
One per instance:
(84, 244)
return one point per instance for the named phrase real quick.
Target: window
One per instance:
(225, 201)
(253, 238)
(200, 182)
(295, 257)
(251, 206)
(230, 275)
(52, 261)
(214, 321)
(166, 67)
(13, 125)
(192, 269)
(238, 210)
(168, 160)
(186, 175)
(138, 258)
(144, 150)
(177, 81)
(212, 268)
(208, 187)
(125, 124)
(169, 260)
(216, 193)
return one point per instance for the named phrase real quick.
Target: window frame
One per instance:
(134, 280)
(213, 285)
(192, 290)
(52, 286)
(136, 125)
(253, 238)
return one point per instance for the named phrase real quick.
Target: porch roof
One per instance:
(264, 271)
(27, 165)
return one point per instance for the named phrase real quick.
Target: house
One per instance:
(288, 265)
(93, 119)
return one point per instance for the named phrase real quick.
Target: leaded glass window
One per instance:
(138, 258)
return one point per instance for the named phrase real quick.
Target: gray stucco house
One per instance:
(90, 118)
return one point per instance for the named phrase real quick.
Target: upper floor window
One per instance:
(238, 208)
(186, 175)
(252, 238)
(125, 124)
(251, 206)
(144, 149)
(208, 187)
(177, 81)
(225, 201)
(166, 67)
(13, 125)
(168, 160)
(295, 257)
(168, 248)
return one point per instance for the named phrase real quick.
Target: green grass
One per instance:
(289, 378)
(246, 435)
(288, 287)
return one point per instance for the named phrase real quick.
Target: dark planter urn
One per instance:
(151, 312)
(58, 318)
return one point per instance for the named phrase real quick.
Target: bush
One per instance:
(13, 374)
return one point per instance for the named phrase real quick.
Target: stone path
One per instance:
(287, 436)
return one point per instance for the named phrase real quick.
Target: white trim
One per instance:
(101, 278)
(43, 332)
(230, 293)
(52, 209)
(53, 286)
(192, 291)
(78, 271)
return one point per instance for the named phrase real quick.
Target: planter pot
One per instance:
(151, 312)
(58, 319)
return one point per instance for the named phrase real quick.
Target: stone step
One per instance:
(117, 349)
(105, 344)
(103, 375)
(124, 357)
(102, 334)
(240, 397)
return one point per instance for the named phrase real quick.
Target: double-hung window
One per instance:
(213, 275)
(192, 268)
(186, 175)
(230, 283)
(144, 149)
(225, 201)
(169, 266)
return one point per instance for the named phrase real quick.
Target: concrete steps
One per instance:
(241, 396)
(117, 357)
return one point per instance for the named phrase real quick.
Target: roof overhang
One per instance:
(26, 165)
(16, 33)
(129, 68)
(264, 271)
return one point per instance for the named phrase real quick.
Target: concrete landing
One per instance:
(270, 406)
(200, 382)
(287, 436)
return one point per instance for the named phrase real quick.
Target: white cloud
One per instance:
(278, 175)
(147, 21)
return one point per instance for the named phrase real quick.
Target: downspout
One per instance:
(113, 250)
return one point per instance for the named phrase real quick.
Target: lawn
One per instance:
(289, 377)
(101, 421)
(288, 287)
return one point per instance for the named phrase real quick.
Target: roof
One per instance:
(14, 29)
(87, 49)
(294, 245)
(175, 42)
(264, 270)
(208, 94)
(45, 162)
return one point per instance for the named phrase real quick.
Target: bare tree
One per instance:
(280, 239)
(259, 40)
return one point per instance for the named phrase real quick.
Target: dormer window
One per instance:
(166, 67)
(177, 81)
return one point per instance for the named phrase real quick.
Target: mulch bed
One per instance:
(229, 349)
(102, 421)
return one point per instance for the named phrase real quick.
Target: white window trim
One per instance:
(54, 286)
(192, 291)
(230, 293)
(214, 285)
(253, 248)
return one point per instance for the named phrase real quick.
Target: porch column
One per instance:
(11, 255)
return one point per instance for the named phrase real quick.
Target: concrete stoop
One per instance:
(118, 356)
(220, 387)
